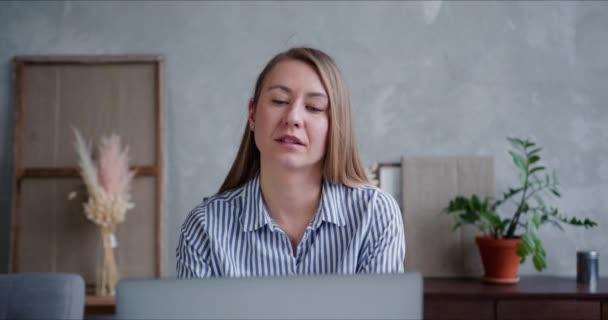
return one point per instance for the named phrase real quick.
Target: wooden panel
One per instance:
(136, 236)
(57, 237)
(548, 309)
(97, 99)
(48, 172)
(99, 95)
(475, 176)
(429, 183)
(458, 309)
(605, 311)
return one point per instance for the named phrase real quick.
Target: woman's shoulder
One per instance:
(211, 206)
(363, 205)
(366, 191)
(381, 205)
(368, 209)
(224, 197)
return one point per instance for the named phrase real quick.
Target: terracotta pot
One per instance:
(500, 259)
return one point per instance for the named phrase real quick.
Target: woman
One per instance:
(296, 200)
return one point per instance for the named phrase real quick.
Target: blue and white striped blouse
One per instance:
(355, 230)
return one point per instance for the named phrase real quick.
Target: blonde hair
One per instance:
(341, 163)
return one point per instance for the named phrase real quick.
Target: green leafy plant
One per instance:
(535, 185)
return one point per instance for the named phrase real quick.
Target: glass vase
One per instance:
(107, 272)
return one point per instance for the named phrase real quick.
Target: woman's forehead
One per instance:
(292, 75)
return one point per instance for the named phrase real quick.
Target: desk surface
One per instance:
(533, 286)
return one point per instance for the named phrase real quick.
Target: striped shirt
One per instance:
(355, 230)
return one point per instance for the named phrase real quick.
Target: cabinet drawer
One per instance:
(548, 309)
(458, 309)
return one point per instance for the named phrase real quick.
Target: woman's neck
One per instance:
(292, 198)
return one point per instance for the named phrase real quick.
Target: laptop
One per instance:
(387, 296)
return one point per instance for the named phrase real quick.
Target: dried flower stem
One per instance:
(108, 186)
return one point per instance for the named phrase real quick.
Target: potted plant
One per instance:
(507, 240)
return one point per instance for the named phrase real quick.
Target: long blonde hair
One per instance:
(341, 163)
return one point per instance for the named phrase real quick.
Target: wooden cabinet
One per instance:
(99, 306)
(534, 297)
(548, 309)
(458, 309)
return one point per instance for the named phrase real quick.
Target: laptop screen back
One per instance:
(393, 296)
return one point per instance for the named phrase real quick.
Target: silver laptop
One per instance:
(392, 296)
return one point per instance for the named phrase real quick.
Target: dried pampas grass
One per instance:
(109, 188)
(108, 184)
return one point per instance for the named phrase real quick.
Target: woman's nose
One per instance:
(293, 115)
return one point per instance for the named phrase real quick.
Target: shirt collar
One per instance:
(255, 215)
(330, 210)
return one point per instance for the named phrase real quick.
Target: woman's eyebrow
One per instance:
(288, 90)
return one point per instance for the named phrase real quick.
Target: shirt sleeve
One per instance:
(192, 253)
(387, 247)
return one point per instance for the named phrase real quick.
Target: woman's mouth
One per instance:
(287, 139)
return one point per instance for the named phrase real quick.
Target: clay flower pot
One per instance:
(500, 259)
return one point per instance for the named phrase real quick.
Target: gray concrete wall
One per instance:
(427, 78)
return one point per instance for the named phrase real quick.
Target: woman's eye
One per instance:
(313, 109)
(279, 101)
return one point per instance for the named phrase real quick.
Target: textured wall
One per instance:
(427, 78)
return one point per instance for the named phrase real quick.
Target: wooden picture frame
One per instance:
(389, 179)
(99, 95)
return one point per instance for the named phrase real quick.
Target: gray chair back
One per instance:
(41, 296)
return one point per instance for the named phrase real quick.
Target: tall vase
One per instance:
(107, 274)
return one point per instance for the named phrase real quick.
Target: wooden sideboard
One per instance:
(99, 306)
(534, 297)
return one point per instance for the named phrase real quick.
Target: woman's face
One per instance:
(291, 118)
